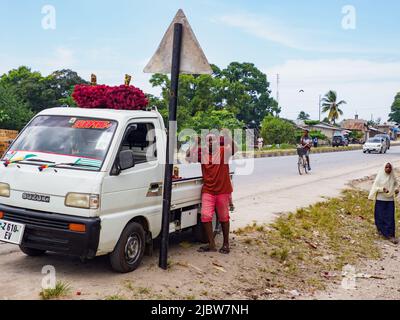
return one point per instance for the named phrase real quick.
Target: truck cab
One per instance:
(88, 182)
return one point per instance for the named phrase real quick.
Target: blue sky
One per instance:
(303, 41)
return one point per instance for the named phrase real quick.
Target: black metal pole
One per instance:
(171, 140)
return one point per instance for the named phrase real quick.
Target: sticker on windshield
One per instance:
(9, 155)
(104, 141)
(91, 124)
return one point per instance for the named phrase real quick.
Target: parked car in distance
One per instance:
(375, 144)
(340, 141)
(386, 137)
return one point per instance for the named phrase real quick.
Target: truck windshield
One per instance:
(83, 142)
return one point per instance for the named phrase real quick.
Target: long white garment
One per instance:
(384, 180)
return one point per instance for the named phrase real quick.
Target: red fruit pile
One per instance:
(101, 96)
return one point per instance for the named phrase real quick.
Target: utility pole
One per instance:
(319, 107)
(277, 88)
(173, 104)
(178, 53)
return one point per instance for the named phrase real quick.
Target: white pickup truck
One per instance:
(88, 182)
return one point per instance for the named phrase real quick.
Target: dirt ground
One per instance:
(191, 275)
(247, 273)
(373, 279)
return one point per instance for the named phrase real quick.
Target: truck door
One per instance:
(136, 191)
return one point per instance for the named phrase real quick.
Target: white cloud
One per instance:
(62, 57)
(367, 86)
(291, 36)
(263, 28)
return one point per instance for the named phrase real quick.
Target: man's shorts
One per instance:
(210, 203)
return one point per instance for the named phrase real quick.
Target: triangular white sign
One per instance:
(193, 59)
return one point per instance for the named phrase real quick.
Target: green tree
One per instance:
(214, 119)
(355, 135)
(240, 89)
(303, 116)
(395, 109)
(332, 106)
(248, 93)
(62, 82)
(40, 92)
(275, 130)
(14, 113)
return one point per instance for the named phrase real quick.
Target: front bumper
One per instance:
(372, 149)
(50, 231)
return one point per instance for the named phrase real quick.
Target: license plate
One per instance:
(11, 232)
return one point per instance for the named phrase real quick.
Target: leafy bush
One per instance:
(214, 119)
(313, 134)
(275, 130)
(311, 122)
(14, 113)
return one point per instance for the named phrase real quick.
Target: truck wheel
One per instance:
(129, 251)
(32, 252)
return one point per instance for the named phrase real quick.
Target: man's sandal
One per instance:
(206, 249)
(224, 250)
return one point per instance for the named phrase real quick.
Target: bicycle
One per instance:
(302, 164)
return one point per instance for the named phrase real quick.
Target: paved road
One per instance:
(274, 186)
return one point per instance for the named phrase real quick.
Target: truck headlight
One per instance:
(4, 190)
(82, 200)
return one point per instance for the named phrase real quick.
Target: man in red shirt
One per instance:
(217, 186)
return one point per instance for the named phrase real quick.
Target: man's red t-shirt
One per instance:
(216, 178)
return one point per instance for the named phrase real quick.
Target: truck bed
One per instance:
(186, 192)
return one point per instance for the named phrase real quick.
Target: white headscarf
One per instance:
(384, 180)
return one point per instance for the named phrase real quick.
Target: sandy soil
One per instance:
(191, 275)
(205, 276)
(371, 280)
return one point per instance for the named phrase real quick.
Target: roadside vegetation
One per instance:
(310, 247)
(62, 289)
(291, 150)
(299, 254)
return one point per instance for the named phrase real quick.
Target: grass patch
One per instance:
(322, 238)
(143, 290)
(341, 227)
(61, 289)
(114, 297)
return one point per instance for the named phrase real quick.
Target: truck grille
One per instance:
(35, 221)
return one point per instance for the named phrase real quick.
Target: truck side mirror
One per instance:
(126, 160)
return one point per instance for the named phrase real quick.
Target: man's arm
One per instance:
(192, 154)
(231, 147)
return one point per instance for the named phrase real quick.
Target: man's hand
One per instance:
(385, 190)
(192, 153)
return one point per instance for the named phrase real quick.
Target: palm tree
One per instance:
(330, 104)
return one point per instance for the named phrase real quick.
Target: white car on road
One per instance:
(376, 144)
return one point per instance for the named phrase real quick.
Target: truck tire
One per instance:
(129, 251)
(32, 252)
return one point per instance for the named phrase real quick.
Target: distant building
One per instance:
(326, 129)
(389, 128)
(362, 126)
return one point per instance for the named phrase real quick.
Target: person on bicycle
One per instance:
(306, 142)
